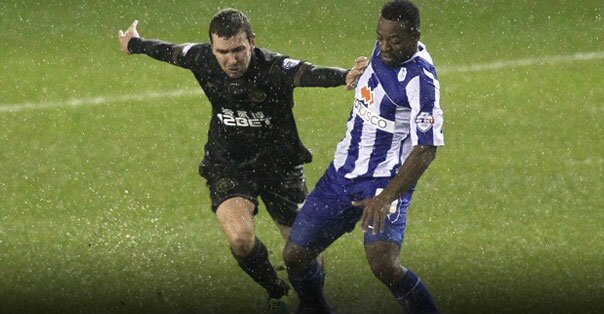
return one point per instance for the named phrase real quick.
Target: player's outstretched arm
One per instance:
(355, 73)
(129, 34)
(132, 43)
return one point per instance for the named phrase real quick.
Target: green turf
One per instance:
(102, 210)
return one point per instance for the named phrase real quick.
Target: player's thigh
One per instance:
(321, 221)
(236, 217)
(395, 225)
(226, 188)
(225, 182)
(234, 200)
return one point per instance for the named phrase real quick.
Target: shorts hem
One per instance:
(244, 196)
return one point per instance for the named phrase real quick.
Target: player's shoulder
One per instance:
(194, 48)
(276, 59)
(267, 56)
(422, 64)
(192, 56)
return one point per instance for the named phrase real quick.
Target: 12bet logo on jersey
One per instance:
(243, 118)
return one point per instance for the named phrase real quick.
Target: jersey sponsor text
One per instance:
(372, 118)
(244, 119)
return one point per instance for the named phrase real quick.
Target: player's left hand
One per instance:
(374, 213)
(355, 73)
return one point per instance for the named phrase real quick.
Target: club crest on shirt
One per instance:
(424, 121)
(225, 185)
(402, 74)
(257, 95)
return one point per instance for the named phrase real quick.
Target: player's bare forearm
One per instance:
(376, 208)
(415, 165)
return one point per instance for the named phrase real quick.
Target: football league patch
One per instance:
(424, 121)
(290, 63)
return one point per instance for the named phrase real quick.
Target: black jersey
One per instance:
(252, 119)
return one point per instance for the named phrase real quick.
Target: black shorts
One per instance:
(282, 190)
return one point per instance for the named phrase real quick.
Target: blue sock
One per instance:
(309, 285)
(413, 295)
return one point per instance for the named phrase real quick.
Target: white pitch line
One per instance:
(579, 56)
(77, 102)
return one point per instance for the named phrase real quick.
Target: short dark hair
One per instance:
(402, 11)
(229, 22)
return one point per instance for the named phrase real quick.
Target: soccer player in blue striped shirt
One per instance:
(394, 128)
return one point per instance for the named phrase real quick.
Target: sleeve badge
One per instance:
(424, 121)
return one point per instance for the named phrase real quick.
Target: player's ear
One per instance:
(253, 40)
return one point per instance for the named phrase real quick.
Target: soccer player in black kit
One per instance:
(253, 147)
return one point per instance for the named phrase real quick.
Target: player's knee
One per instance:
(386, 270)
(242, 244)
(295, 256)
(289, 256)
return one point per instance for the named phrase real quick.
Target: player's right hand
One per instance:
(129, 34)
(375, 211)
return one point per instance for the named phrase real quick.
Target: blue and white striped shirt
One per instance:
(394, 109)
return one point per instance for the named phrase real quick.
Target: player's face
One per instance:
(233, 54)
(397, 44)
